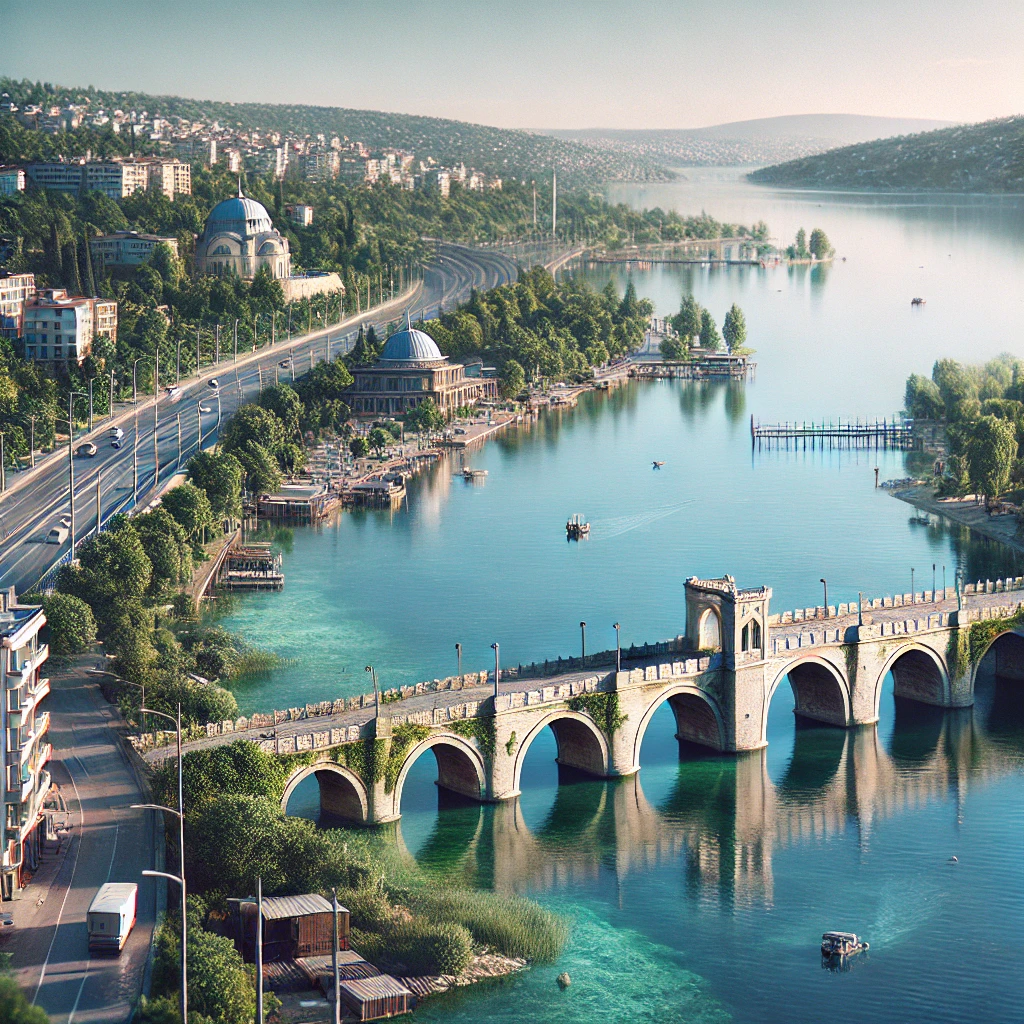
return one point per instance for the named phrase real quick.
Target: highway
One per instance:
(36, 501)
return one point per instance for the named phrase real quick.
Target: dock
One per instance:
(252, 566)
(876, 434)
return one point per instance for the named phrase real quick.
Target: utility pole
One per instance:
(156, 389)
(334, 959)
(32, 442)
(259, 950)
(236, 341)
(3, 466)
(99, 506)
(497, 671)
(156, 450)
(90, 404)
(178, 463)
(554, 204)
(135, 463)
(534, 183)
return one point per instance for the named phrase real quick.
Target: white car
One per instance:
(88, 450)
(174, 393)
(213, 383)
(57, 535)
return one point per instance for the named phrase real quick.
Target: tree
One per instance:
(801, 243)
(687, 322)
(285, 404)
(956, 387)
(922, 398)
(88, 278)
(167, 546)
(820, 247)
(426, 416)
(15, 1007)
(360, 447)
(72, 624)
(69, 260)
(219, 474)
(991, 449)
(261, 468)
(710, 339)
(513, 379)
(674, 348)
(379, 440)
(253, 423)
(190, 507)
(734, 328)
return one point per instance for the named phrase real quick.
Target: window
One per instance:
(31, 352)
(56, 352)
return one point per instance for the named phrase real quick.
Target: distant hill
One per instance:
(497, 151)
(986, 157)
(765, 140)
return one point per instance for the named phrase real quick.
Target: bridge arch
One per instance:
(1007, 647)
(342, 792)
(460, 767)
(698, 718)
(820, 688)
(918, 673)
(581, 744)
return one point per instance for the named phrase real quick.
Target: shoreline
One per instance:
(1001, 528)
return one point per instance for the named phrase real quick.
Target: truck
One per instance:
(112, 916)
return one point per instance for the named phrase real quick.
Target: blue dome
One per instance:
(410, 346)
(243, 216)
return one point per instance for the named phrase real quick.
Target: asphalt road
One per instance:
(36, 503)
(109, 842)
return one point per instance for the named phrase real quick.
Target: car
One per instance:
(213, 383)
(285, 364)
(116, 442)
(174, 392)
(459, 430)
(88, 450)
(57, 535)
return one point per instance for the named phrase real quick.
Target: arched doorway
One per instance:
(710, 630)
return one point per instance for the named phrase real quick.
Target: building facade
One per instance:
(15, 291)
(23, 740)
(61, 328)
(239, 238)
(410, 370)
(114, 178)
(12, 179)
(126, 248)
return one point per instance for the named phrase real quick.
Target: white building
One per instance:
(126, 248)
(61, 328)
(239, 238)
(12, 179)
(23, 740)
(15, 291)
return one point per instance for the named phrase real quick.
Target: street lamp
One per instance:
(933, 581)
(177, 364)
(376, 693)
(583, 641)
(913, 596)
(497, 670)
(181, 847)
(236, 341)
(135, 386)
(71, 463)
(825, 585)
(458, 654)
(618, 649)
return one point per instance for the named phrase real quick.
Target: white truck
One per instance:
(112, 917)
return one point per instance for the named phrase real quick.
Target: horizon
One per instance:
(581, 66)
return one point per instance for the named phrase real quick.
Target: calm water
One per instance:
(699, 890)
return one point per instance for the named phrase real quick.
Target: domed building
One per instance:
(239, 238)
(410, 370)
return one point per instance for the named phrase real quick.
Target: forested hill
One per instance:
(986, 157)
(498, 151)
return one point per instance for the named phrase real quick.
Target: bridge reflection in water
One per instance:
(723, 818)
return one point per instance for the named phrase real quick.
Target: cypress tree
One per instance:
(54, 261)
(69, 257)
(88, 279)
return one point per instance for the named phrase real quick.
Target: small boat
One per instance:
(839, 944)
(473, 474)
(917, 301)
(576, 528)
(658, 465)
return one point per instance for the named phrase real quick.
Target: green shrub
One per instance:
(418, 946)
(71, 622)
(368, 910)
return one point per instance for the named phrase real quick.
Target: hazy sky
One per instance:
(643, 64)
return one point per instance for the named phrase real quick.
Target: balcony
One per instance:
(35, 803)
(42, 723)
(29, 664)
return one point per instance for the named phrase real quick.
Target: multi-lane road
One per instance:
(36, 502)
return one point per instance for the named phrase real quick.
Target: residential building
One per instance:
(15, 291)
(234, 159)
(300, 214)
(60, 328)
(115, 179)
(23, 740)
(410, 370)
(12, 179)
(213, 153)
(126, 248)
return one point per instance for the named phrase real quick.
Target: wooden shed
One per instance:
(293, 926)
(374, 998)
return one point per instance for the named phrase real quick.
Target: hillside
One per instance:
(986, 157)
(495, 151)
(764, 140)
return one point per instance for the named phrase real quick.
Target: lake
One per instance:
(700, 889)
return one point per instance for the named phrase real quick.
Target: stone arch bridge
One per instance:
(719, 678)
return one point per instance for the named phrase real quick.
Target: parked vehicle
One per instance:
(88, 450)
(112, 916)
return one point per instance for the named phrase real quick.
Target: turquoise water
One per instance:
(700, 889)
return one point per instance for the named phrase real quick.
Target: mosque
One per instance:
(410, 370)
(239, 239)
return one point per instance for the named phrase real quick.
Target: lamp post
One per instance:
(497, 670)
(913, 596)
(236, 341)
(32, 439)
(177, 364)
(933, 581)
(181, 849)
(618, 648)
(71, 463)
(111, 398)
(583, 641)
(135, 385)
(458, 654)
(259, 950)
(376, 694)
(825, 585)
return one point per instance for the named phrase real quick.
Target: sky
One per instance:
(556, 64)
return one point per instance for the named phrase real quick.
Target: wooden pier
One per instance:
(883, 433)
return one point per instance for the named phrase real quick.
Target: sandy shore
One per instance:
(967, 512)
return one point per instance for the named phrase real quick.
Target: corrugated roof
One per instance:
(382, 986)
(276, 907)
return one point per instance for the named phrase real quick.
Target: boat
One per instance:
(658, 465)
(917, 301)
(473, 474)
(840, 944)
(576, 528)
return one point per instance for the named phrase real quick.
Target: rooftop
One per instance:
(410, 345)
(278, 907)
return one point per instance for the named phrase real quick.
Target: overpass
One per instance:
(719, 677)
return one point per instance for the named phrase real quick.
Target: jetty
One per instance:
(883, 433)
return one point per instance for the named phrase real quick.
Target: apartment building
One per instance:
(23, 740)
(299, 214)
(116, 178)
(15, 291)
(12, 179)
(126, 248)
(61, 328)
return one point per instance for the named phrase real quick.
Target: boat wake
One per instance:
(608, 529)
